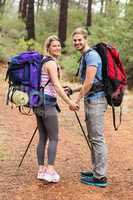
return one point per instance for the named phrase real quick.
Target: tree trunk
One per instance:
(62, 27)
(2, 3)
(39, 5)
(89, 14)
(30, 24)
(23, 6)
(107, 6)
(101, 8)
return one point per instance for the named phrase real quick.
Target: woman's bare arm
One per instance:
(51, 68)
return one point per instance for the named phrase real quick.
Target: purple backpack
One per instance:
(24, 74)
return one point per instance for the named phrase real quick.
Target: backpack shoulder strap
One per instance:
(49, 58)
(45, 59)
(84, 61)
(82, 57)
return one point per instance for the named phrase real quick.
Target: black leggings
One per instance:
(48, 131)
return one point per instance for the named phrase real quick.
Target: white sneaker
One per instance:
(51, 176)
(40, 175)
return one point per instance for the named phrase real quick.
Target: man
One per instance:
(95, 105)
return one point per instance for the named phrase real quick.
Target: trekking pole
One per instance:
(27, 147)
(87, 140)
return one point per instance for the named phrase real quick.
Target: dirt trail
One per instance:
(72, 157)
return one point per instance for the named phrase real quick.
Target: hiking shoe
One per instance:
(86, 174)
(51, 177)
(40, 175)
(102, 182)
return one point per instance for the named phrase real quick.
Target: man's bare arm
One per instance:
(90, 75)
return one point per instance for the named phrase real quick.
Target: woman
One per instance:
(48, 121)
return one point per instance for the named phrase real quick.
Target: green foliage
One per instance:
(70, 65)
(12, 26)
(9, 47)
(114, 32)
(3, 55)
(28, 45)
(75, 19)
(11, 30)
(46, 24)
(113, 26)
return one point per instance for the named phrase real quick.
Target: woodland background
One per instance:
(25, 24)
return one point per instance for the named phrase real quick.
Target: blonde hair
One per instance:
(81, 31)
(48, 42)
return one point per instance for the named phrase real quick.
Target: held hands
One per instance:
(73, 106)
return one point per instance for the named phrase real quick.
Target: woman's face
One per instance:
(55, 48)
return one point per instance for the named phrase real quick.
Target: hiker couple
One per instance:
(95, 105)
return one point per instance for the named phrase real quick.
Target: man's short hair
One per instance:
(81, 31)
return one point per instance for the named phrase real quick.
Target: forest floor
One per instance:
(73, 156)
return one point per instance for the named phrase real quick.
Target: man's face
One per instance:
(79, 42)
